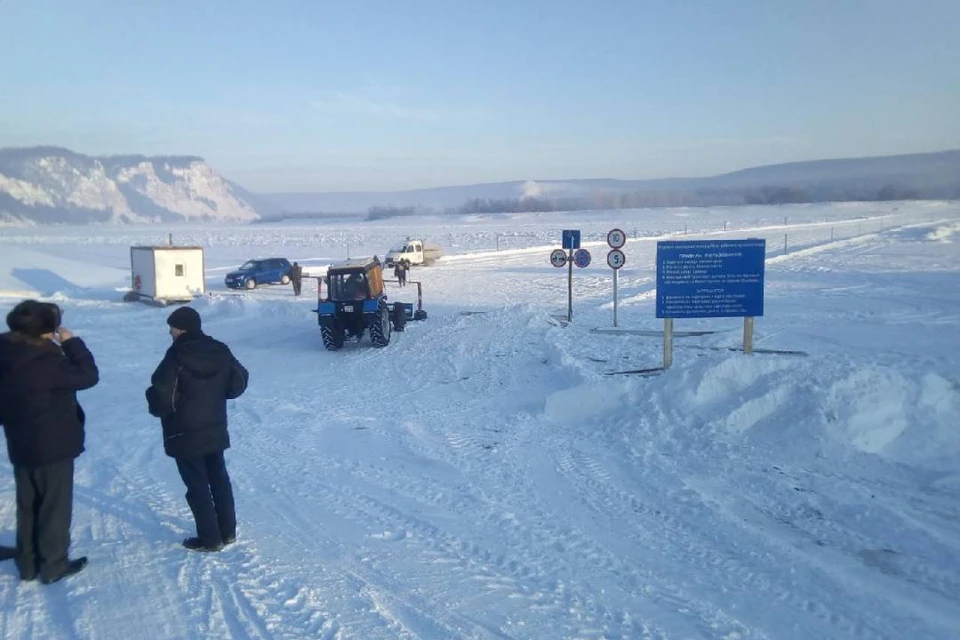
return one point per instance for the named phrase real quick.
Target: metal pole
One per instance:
(667, 342)
(570, 287)
(784, 244)
(616, 301)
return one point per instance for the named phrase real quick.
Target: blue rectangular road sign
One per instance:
(710, 278)
(571, 238)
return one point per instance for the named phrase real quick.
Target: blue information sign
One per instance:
(710, 278)
(571, 238)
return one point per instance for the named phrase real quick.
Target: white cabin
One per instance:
(167, 274)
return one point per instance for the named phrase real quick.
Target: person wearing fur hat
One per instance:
(42, 366)
(189, 392)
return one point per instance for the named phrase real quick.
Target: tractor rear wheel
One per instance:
(332, 336)
(380, 326)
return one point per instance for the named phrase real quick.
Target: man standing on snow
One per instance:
(44, 425)
(189, 393)
(296, 278)
(398, 272)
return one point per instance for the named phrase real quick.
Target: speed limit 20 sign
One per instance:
(616, 238)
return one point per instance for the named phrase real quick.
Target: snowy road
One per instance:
(482, 478)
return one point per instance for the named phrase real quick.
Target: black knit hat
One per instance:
(186, 319)
(34, 318)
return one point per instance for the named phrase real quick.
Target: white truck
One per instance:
(414, 251)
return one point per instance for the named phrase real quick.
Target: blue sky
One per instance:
(392, 94)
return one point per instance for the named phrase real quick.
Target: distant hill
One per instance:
(40, 185)
(901, 177)
(53, 185)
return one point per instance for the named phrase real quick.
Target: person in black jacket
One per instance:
(44, 426)
(189, 393)
(296, 278)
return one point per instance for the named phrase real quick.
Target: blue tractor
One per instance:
(356, 303)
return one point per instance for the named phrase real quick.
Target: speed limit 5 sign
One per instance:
(616, 259)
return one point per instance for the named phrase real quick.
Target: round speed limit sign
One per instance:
(558, 257)
(616, 259)
(616, 238)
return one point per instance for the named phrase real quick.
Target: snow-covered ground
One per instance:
(483, 476)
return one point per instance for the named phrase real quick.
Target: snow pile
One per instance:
(944, 233)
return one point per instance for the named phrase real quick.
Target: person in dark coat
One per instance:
(398, 271)
(296, 278)
(189, 393)
(44, 427)
(404, 267)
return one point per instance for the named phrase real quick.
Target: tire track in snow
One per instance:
(811, 513)
(500, 569)
(229, 593)
(390, 602)
(524, 562)
(380, 609)
(466, 561)
(686, 530)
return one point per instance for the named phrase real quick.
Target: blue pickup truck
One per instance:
(256, 272)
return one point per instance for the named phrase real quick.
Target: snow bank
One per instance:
(944, 233)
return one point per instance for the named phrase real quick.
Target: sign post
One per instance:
(709, 279)
(615, 259)
(667, 342)
(571, 241)
(616, 297)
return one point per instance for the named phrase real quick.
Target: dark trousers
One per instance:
(297, 284)
(44, 511)
(210, 497)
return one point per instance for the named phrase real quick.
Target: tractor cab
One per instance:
(354, 281)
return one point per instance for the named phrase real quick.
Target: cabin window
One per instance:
(178, 270)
